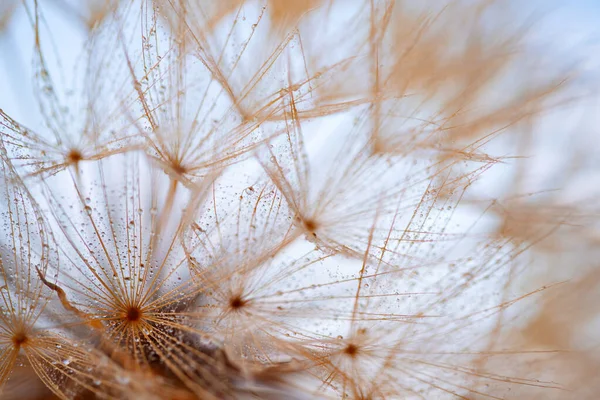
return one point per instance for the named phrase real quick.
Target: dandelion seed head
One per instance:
(278, 200)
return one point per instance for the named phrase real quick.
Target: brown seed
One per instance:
(19, 339)
(351, 350)
(237, 302)
(74, 156)
(133, 314)
(310, 225)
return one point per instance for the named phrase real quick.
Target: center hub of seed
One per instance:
(310, 225)
(74, 156)
(19, 339)
(133, 314)
(351, 350)
(179, 169)
(237, 302)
